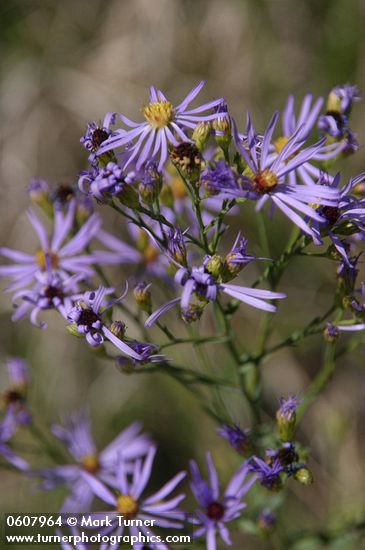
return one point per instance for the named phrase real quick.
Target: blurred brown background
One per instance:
(66, 63)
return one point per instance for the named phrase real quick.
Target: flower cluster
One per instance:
(179, 187)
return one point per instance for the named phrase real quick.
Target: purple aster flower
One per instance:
(306, 172)
(103, 183)
(163, 122)
(214, 510)
(85, 318)
(237, 438)
(269, 472)
(51, 293)
(130, 503)
(75, 434)
(348, 212)
(201, 284)
(96, 134)
(61, 253)
(8, 427)
(265, 177)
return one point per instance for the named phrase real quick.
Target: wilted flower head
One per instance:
(104, 183)
(269, 472)
(85, 318)
(96, 134)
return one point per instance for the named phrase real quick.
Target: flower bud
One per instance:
(304, 476)
(201, 135)
(192, 313)
(222, 126)
(330, 333)
(150, 183)
(128, 196)
(124, 365)
(85, 209)
(118, 328)
(286, 417)
(176, 246)
(72, 329)
(142, 295)
(38, 191)
(214, 266)
(266, 521)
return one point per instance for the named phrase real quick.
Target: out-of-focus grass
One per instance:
(64, 63)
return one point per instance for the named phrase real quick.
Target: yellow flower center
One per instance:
(150, 254)
(279, 143)
(40, 259)
(158, 114)
(265, 181)
(90, 463)
(127, 506)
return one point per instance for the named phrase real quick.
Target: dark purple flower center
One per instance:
(88, 317)
(331, 213)
(215, 511)
(52, 292)
(98, 136)
(13, 396)
(287, 456)
(63, 193)
(338, 118)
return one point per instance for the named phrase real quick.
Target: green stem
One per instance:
(321, 380)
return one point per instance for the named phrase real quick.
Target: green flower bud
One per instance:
(72, 329)
(215, 266)
(128, 196)
(118, 328)
(142, 295)
(304, 476)
(192, 313)
(201, 135)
